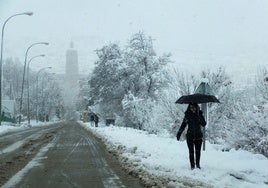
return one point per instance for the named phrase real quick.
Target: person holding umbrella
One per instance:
(194, 119)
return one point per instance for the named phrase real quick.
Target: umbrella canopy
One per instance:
(197, 98)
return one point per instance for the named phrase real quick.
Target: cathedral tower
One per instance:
(71, 80)
(71, 69)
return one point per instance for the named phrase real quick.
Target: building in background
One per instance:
(71, 83)
(71, 68)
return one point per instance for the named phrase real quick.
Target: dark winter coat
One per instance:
(194, 122)
(96, 118)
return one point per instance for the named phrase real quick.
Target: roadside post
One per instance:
(204, 88)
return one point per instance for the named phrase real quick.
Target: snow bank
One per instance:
(163, 161)
(8, 128)
(11, 127)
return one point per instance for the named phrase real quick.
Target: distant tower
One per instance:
(71, 78)
(71, 65)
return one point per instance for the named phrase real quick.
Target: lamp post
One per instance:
(28, 89)
(1, 56)
(23, 77)
(37, 90)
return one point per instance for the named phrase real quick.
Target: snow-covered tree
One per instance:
(83, 97)
(47, 98)
(262, 83)
(136, 71)
(105, 84)
(146, 77)
(12, 78)
(12, 84)
(238, 121)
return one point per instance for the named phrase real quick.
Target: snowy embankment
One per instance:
(163, 161)
(11, 127)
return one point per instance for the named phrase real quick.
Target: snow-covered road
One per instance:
(60, 155)
(163, 161)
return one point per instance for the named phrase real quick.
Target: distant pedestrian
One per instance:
(47, 118)
(96, 120)
(194, 119)
(91, 117)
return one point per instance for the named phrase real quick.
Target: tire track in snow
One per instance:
(33, 163)
(111, 179)
(20, 143)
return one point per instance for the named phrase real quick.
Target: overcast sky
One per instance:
(200, 34)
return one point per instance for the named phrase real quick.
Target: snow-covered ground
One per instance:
(163, 161)
(11, 127)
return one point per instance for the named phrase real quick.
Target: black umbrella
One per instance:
(197, 98)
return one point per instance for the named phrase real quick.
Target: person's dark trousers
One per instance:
(194, 145)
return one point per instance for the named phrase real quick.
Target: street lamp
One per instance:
(23, 77)
(37, 90)
(1, 56)
(28, 92)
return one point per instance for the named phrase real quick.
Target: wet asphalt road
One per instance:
(61, 156)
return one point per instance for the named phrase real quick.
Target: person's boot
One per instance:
(197, 157)
(191, 156)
